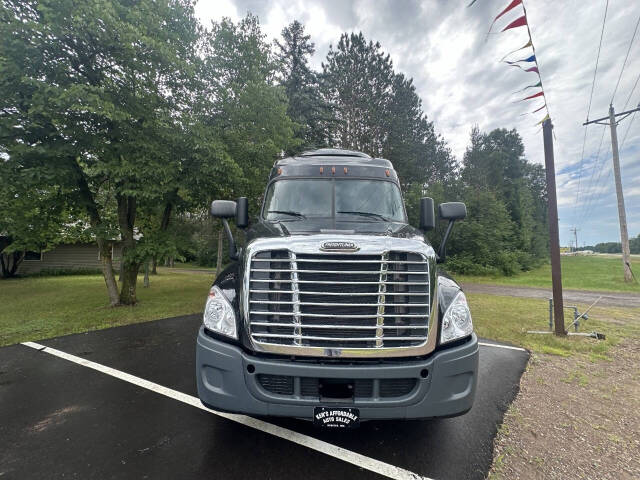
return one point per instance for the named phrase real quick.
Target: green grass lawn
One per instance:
(186, 265)
(43, 307)
(509, 318)
(582, 273)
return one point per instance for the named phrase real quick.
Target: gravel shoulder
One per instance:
(574, 418)
(613, 299)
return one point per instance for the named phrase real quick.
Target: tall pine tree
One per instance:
(358, 81)
(307, 108)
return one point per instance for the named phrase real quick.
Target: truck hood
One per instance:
(305, 227)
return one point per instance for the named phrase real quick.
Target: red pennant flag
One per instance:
(538, 109)
(511, 6)
(539, 94)
(533, 69)
(518, 22)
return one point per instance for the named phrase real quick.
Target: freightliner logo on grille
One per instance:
(339, 246)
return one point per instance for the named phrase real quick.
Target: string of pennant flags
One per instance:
(524, 64)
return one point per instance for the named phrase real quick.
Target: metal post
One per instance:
(576, 318)
(575, 235)
(554, 237)
(624, 235)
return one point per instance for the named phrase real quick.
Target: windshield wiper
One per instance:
(368, 214)
(288, 212)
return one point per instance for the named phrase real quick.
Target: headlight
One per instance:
(218, 314)
(456, 322)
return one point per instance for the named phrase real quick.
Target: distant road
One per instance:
(613, 299)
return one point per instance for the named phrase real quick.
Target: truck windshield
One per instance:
(366, 200)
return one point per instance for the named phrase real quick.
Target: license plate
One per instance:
(336, 417)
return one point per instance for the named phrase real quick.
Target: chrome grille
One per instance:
(332, 301)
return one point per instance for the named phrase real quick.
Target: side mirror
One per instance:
(242, 212)
(223, 209)
(427, 215)
(451, 211)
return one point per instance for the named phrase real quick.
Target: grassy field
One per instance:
(186, 266)
(43, 307)
(508, 319)
(581, 273)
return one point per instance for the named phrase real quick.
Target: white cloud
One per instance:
(208, 10)
(441, 44)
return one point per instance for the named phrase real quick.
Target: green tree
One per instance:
(93, 93)
(358, 82)
(506, 196)
(251, 110)
(379, 112)
(420, 155)
(307, 108)
(482, 242)
(32, 215)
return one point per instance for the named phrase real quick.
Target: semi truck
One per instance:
(335, 309)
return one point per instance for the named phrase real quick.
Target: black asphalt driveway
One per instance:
(59, 419)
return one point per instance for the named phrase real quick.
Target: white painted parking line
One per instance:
(362, 461)
(508, 347)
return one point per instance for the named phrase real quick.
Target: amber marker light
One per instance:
(387, 172)
(279, 171)
(333, 170)
(345, 170)
(321, 170)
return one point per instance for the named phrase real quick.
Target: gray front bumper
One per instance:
(225, 383)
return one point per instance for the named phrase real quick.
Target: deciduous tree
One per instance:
(98, 88)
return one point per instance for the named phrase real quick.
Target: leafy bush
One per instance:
(206, 256)
(507, 263)
(58, 272)
(527, 261)
(467, 265)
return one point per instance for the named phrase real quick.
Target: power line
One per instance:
(593, 84)
(625, 59)
(595, 184)
(597, 194)
(594, 169)
(628, 128)
(605, 190)
(631, 93)
(595, 71)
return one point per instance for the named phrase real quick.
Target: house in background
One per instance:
(72, 256)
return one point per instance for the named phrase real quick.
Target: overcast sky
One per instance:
(441, 44)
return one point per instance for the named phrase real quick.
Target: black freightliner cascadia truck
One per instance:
(335, 309)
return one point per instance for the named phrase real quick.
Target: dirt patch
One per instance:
(574, 419)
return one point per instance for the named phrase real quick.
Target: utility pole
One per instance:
(554, 237)
(575, 236)
(622, 215)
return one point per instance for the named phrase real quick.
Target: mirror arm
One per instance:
(442, 254)
(233, 251)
